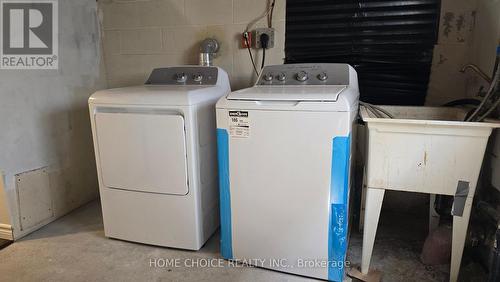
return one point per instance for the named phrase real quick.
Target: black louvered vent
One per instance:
(390, 43)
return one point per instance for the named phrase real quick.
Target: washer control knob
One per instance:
(281, 76)
(198, 77)
(323, 76)
(302, 76)
(181, 77)
(268, 77)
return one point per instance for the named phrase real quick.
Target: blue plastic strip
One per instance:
(226, 244)
(339, 190)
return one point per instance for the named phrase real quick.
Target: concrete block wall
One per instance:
(456, 27)
(139, 35)
(469, 32)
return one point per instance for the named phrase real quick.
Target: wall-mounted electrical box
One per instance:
(257, 33)
(246, 40)
(253, 39)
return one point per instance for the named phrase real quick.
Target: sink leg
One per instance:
(373, 204)
(433, 215)
(362, 209)
(460, 225)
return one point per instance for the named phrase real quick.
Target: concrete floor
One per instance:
(74, 248)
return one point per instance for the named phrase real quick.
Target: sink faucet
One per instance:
(478, 71)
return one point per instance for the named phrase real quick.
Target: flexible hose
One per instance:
(372, 110)
(375, 110)
(488, 112)
(383, 111)
(462, 102)
(491, 90)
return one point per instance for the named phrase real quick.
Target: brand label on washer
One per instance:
(239, 124)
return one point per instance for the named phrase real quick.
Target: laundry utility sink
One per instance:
(426, 150)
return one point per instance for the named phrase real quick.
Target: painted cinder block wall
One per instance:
(469, 32)
(140, 35)
(45, 127)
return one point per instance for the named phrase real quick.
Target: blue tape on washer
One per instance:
(338, 218)
(226, 244)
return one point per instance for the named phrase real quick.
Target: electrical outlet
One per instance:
(256, 37)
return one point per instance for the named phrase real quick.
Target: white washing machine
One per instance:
(284, 149)
(155, 147)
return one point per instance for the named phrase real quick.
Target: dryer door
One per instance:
(142, 152)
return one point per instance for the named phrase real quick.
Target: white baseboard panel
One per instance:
(6, 232)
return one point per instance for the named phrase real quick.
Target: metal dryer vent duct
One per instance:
(208, 48)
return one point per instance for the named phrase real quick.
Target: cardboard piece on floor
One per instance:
(372, 276)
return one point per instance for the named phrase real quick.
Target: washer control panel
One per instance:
(305, 74)
(184, 76)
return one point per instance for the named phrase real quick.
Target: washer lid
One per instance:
(329, 93)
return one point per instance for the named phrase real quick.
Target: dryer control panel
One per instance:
(184, 76)
(305, 74)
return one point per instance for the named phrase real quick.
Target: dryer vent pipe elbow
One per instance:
(208, 48)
